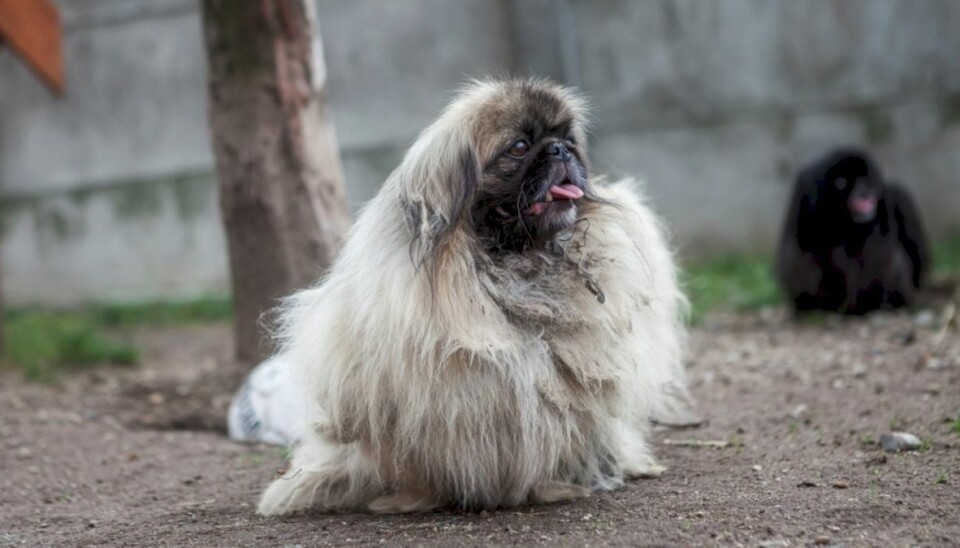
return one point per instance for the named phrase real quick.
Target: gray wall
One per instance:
(108, 193)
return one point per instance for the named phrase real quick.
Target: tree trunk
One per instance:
(281, 189)
(2, 313)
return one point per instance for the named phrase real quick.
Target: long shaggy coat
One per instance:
(442, 373)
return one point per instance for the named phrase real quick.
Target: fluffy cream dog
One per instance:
(499, 329)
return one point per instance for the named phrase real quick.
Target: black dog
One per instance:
(852, 243)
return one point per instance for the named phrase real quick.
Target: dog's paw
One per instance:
(285, 495)
(404, 502)
(557, 491)
(643, 467)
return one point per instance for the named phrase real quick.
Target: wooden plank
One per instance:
(32, 30)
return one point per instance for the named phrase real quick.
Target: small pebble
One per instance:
(821, 540)
(798, 412)
(587, 517)
(924, 318)
(840, 484)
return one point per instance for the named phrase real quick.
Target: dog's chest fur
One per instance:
(555, 300)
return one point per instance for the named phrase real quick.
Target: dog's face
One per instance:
(851, 189)
(533, 154)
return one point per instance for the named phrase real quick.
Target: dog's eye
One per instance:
(519, 149)
(841, 183)
(571, 141)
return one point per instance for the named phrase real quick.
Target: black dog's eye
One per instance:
(519, 149)
(841, 183)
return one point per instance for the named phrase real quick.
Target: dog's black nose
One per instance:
(559, 151)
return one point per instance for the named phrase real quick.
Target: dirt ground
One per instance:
(138, 457)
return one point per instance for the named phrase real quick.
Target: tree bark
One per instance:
(2, 312)
(281, 190)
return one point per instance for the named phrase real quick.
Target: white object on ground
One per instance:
(895, 442)
(269, 407)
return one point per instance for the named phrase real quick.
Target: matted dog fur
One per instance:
(449, 366)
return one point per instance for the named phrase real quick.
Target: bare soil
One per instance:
(139, 457)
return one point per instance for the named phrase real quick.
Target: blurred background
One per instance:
(108, 193)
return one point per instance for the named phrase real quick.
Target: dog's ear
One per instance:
(438, 180)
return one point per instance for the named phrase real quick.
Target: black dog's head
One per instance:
(849, 187)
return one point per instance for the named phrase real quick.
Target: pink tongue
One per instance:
(566, 192)
(863, 205)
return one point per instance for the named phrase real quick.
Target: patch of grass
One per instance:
(205, 310)
(42, 345)
(744, 282)
(740, 283)
(955, 426)
(733, 282)
(941, 478)
(946, 256)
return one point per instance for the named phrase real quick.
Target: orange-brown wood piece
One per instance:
(31, 28)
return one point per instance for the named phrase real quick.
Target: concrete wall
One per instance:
(717, 104)
(108, 193)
